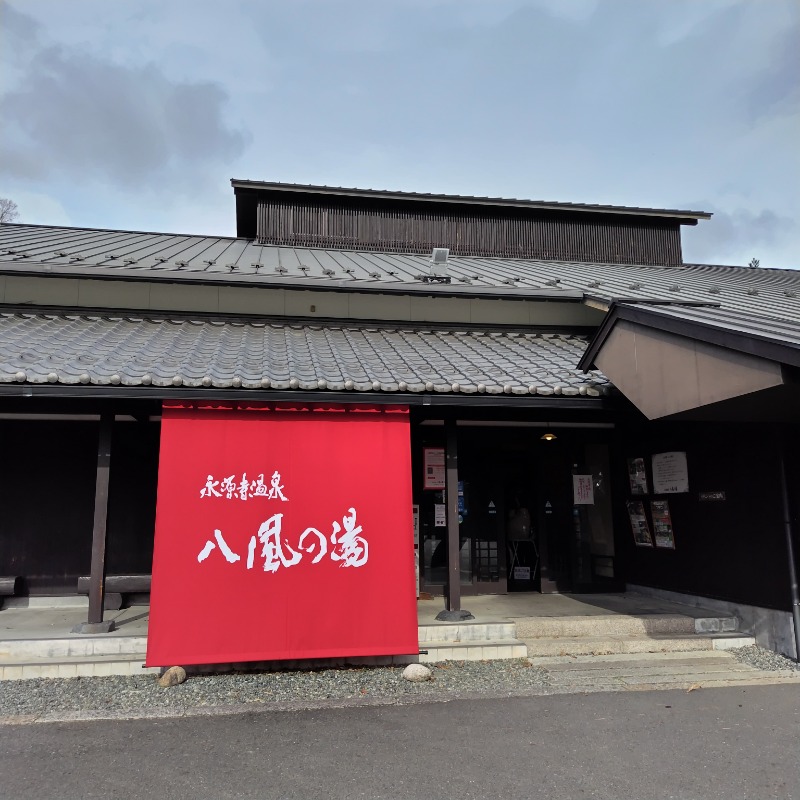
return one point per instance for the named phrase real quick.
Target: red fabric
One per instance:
(357, 600)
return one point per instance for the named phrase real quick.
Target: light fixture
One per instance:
(548, 436)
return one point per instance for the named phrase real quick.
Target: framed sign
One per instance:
(637, 476)
(662, 524)
(433, 463)
(583, 490)
(639, 526)
(272, 527)
(670, 473)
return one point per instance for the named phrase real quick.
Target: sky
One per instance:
(135, 114)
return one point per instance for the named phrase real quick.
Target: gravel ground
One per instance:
(137, 695)
(131, 694)
(757, 657)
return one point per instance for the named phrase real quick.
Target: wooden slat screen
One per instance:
(604, 239)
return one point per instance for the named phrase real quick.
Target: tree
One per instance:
(8, 210)
(754, 263)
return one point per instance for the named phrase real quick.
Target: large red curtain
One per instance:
(282, 533)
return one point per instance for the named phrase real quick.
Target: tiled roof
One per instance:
(174, 257)
(767, 337)
(750, 326)
(202, 353)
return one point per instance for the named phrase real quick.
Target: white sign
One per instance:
(440, 515)
(522, 573)
(670, 474)
(433, 462)
(416, 543)
(582, 490)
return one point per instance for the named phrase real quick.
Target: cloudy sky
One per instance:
(135, 114)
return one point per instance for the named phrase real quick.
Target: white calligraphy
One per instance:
(232, 488)
(349, 548)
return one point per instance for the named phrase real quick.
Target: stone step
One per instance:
(606, 645)
(644, 671)
(465, 632)
(621, 624)
(46, 602)
(74, 667)
(474, 650)
(73, 647)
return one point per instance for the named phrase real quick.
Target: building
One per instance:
(585, 411)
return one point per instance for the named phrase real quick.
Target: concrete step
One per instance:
(12, 669)
(45, 602)
(465, 632)
(621, 624)
(606, 645)
(642, 671)
(474, 650)
(77, 646)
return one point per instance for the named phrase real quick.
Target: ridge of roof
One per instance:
(388, 194)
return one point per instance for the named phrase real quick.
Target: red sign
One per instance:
(282, 534)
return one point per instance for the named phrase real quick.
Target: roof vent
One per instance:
(438, 269)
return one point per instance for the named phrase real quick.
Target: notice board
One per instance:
(282, 533)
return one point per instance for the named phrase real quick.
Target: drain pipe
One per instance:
(787, 526)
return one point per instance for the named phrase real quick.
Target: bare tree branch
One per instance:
(8, 210)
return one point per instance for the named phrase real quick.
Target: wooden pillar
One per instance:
(97, 575)
(794, 589)
(453, 610)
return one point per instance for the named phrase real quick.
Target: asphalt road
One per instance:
(737, 744)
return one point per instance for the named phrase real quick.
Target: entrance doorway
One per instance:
(519, 529)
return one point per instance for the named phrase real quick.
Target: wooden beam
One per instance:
(453, 537)
(96, 624)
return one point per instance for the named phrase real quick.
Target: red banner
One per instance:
(282, 534)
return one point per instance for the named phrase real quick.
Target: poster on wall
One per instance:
(639, 526)
(270, 534)
(582, 490)
(415, 516)
(662, 524)
(670, 473)
(434, 466)
(637, 475)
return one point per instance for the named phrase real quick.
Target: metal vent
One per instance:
(438, 268)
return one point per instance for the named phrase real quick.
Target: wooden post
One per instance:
(790, 552)
(453, 610)
(97, 577)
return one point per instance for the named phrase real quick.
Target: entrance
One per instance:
(519, 529)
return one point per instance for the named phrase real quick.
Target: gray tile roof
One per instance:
(175, 257)
(751, 326)
(137, 351)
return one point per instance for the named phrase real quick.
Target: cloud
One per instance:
(36, 208)
(82, 116)
(739, 235)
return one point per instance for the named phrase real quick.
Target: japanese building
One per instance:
(557, 400)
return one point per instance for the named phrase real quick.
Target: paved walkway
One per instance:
(621, 672)
(42, 622)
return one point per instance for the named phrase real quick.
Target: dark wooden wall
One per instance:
(404, 227)
(732, 550)
(47, 481)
